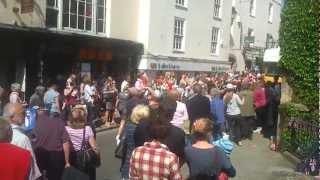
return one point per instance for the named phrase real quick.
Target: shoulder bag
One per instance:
(121, 149)
(86, 156)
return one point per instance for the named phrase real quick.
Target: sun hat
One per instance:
(230, 86)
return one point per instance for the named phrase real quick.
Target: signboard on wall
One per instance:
(26, 6)
(169, 65)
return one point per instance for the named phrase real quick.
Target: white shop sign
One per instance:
(166, 65)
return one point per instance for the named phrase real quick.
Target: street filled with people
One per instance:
(163, 123)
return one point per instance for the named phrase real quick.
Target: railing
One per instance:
(300, 137)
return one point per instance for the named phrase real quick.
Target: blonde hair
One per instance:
(201, 128)
(77, 118)
(139, 112)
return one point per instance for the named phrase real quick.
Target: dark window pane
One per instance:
(81, 8)
(100, 2)
(73, 8)
(89, 10)
(50, 2)
(52, 18)
(100, 13)
(100, 26)
(65, 20)
(80, 22)
(73, 21)
(66, 6)
(88, 24)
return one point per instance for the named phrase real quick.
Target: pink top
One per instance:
(77, 134)
(259, 98)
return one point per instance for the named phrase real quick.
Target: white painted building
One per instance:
(184, 35)
(194, 35)
(258, 19)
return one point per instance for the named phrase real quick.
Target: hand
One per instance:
(118, 140)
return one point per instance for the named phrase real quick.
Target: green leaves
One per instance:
(299, 42)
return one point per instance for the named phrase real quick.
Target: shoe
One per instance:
(258, 130)
(239, 143)
(225, 136)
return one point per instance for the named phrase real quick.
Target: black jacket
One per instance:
(198, 107)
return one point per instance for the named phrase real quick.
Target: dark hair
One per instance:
(160, 123)
(168, 106)
(197, 89)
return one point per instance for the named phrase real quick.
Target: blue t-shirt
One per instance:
(50, 99)
(217, 109)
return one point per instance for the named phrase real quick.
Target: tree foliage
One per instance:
(299, 42)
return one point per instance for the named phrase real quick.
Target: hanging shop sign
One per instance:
(93, 54)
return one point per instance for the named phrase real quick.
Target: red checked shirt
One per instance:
(154, 161)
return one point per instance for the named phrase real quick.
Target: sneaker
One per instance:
(258, 130)
(225, 136)
(239, 143)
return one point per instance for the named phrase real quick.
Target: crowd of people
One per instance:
(220, 109)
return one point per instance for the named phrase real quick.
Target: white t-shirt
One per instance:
(88, 93)
(233, 106)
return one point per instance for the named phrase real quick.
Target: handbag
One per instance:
(86, 156)
(121, 149)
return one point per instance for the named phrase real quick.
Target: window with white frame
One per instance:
(179, 28)
(77, 14)
(101, 16)
(252, 7)
(217, 8)
(83, 15)
(270, 13)
(215, 36)
(52, 13)
(181, 3)
(250, 32)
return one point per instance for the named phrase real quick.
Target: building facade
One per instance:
(190, 35)
(254, 28)
(43, 41)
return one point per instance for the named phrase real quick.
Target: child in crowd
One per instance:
(225, 144)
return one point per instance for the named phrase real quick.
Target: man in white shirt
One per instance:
(181, 114)
(15, 115)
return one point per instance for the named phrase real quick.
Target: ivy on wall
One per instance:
(299, 42)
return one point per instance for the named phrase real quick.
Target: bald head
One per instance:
(14, 113)
(5, 131)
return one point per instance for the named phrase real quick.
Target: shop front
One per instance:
(37, 56)
(155, 65)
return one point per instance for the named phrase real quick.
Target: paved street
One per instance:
(253, 161)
